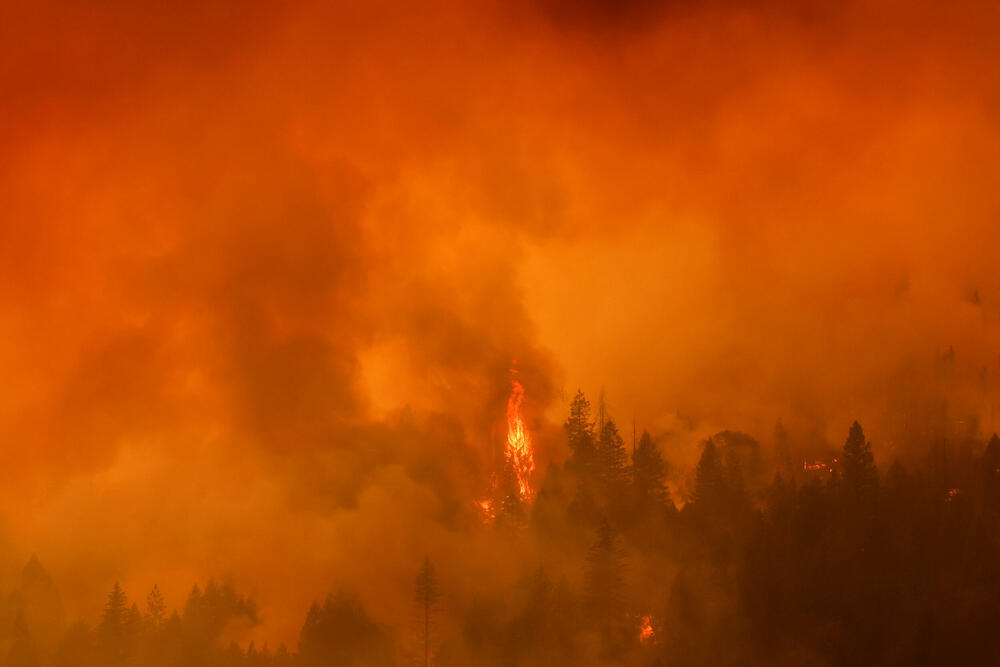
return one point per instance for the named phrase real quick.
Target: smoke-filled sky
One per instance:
(264, 268)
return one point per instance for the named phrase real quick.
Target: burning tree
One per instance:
(511, 489)
(519, 452)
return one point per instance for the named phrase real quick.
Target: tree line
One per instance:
(766, 562)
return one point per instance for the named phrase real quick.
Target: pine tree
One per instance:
(612, 467)
(709, 484)
(156, 608)
(580, 435)
(22, 651)
(860, 477)
(508, 507)
(114, 626)
(426, 597)
(648, 477)
(604, 583)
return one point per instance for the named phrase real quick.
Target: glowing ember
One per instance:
(486, 506)
(646, 633)
(817, 466)
(518, 452)
(952, 493)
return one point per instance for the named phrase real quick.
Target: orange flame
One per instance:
(519, 452)
(646, 633)
(486, 508)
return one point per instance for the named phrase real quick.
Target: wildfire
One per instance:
(952, 494)
(646, 634)
(518, 452)
(486, 507)
(817, 466)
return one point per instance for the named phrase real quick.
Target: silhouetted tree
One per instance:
(580, 435)
(156, 608)
(649, 477)
(612, 469)
(338, 632)
(426, 596)
(22, 651)
(509, 509)
(38, 599)
(605, 583)
(77, 648)
(113, 631)
(860, 477)
(709, 483)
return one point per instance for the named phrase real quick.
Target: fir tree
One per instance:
(860, 477)
(604, 583)
(156, 608)
(580, 435)
(709, 484)
(426, 596)
(648, 477)
(23, 652)
(112, 632)
(612, 467)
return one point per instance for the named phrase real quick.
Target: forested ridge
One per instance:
(770, 560)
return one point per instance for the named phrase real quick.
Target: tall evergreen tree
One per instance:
(605, 581)
(338, 632)
(508, 507)
(710, 482)
(23, 652)
(860, 476)
(426, 596)
(612, 467)
(113, 630)
(649, 477)
(580, 435)
(782, 450)
(156, 608)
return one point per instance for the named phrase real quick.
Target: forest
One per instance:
(770, 560)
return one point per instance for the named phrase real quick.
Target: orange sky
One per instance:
(263, 270)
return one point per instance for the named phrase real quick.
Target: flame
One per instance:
(646, 634)
(486, 507)
(518, 452)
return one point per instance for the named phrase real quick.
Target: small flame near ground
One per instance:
(518, 452)
(646, 633)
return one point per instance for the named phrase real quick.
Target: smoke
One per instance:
(263, 272)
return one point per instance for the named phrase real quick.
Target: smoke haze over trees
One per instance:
(830, 563)
(265, 270)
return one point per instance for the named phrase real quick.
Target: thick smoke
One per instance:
(264, 273)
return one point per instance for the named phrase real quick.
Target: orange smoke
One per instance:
(518, 452)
